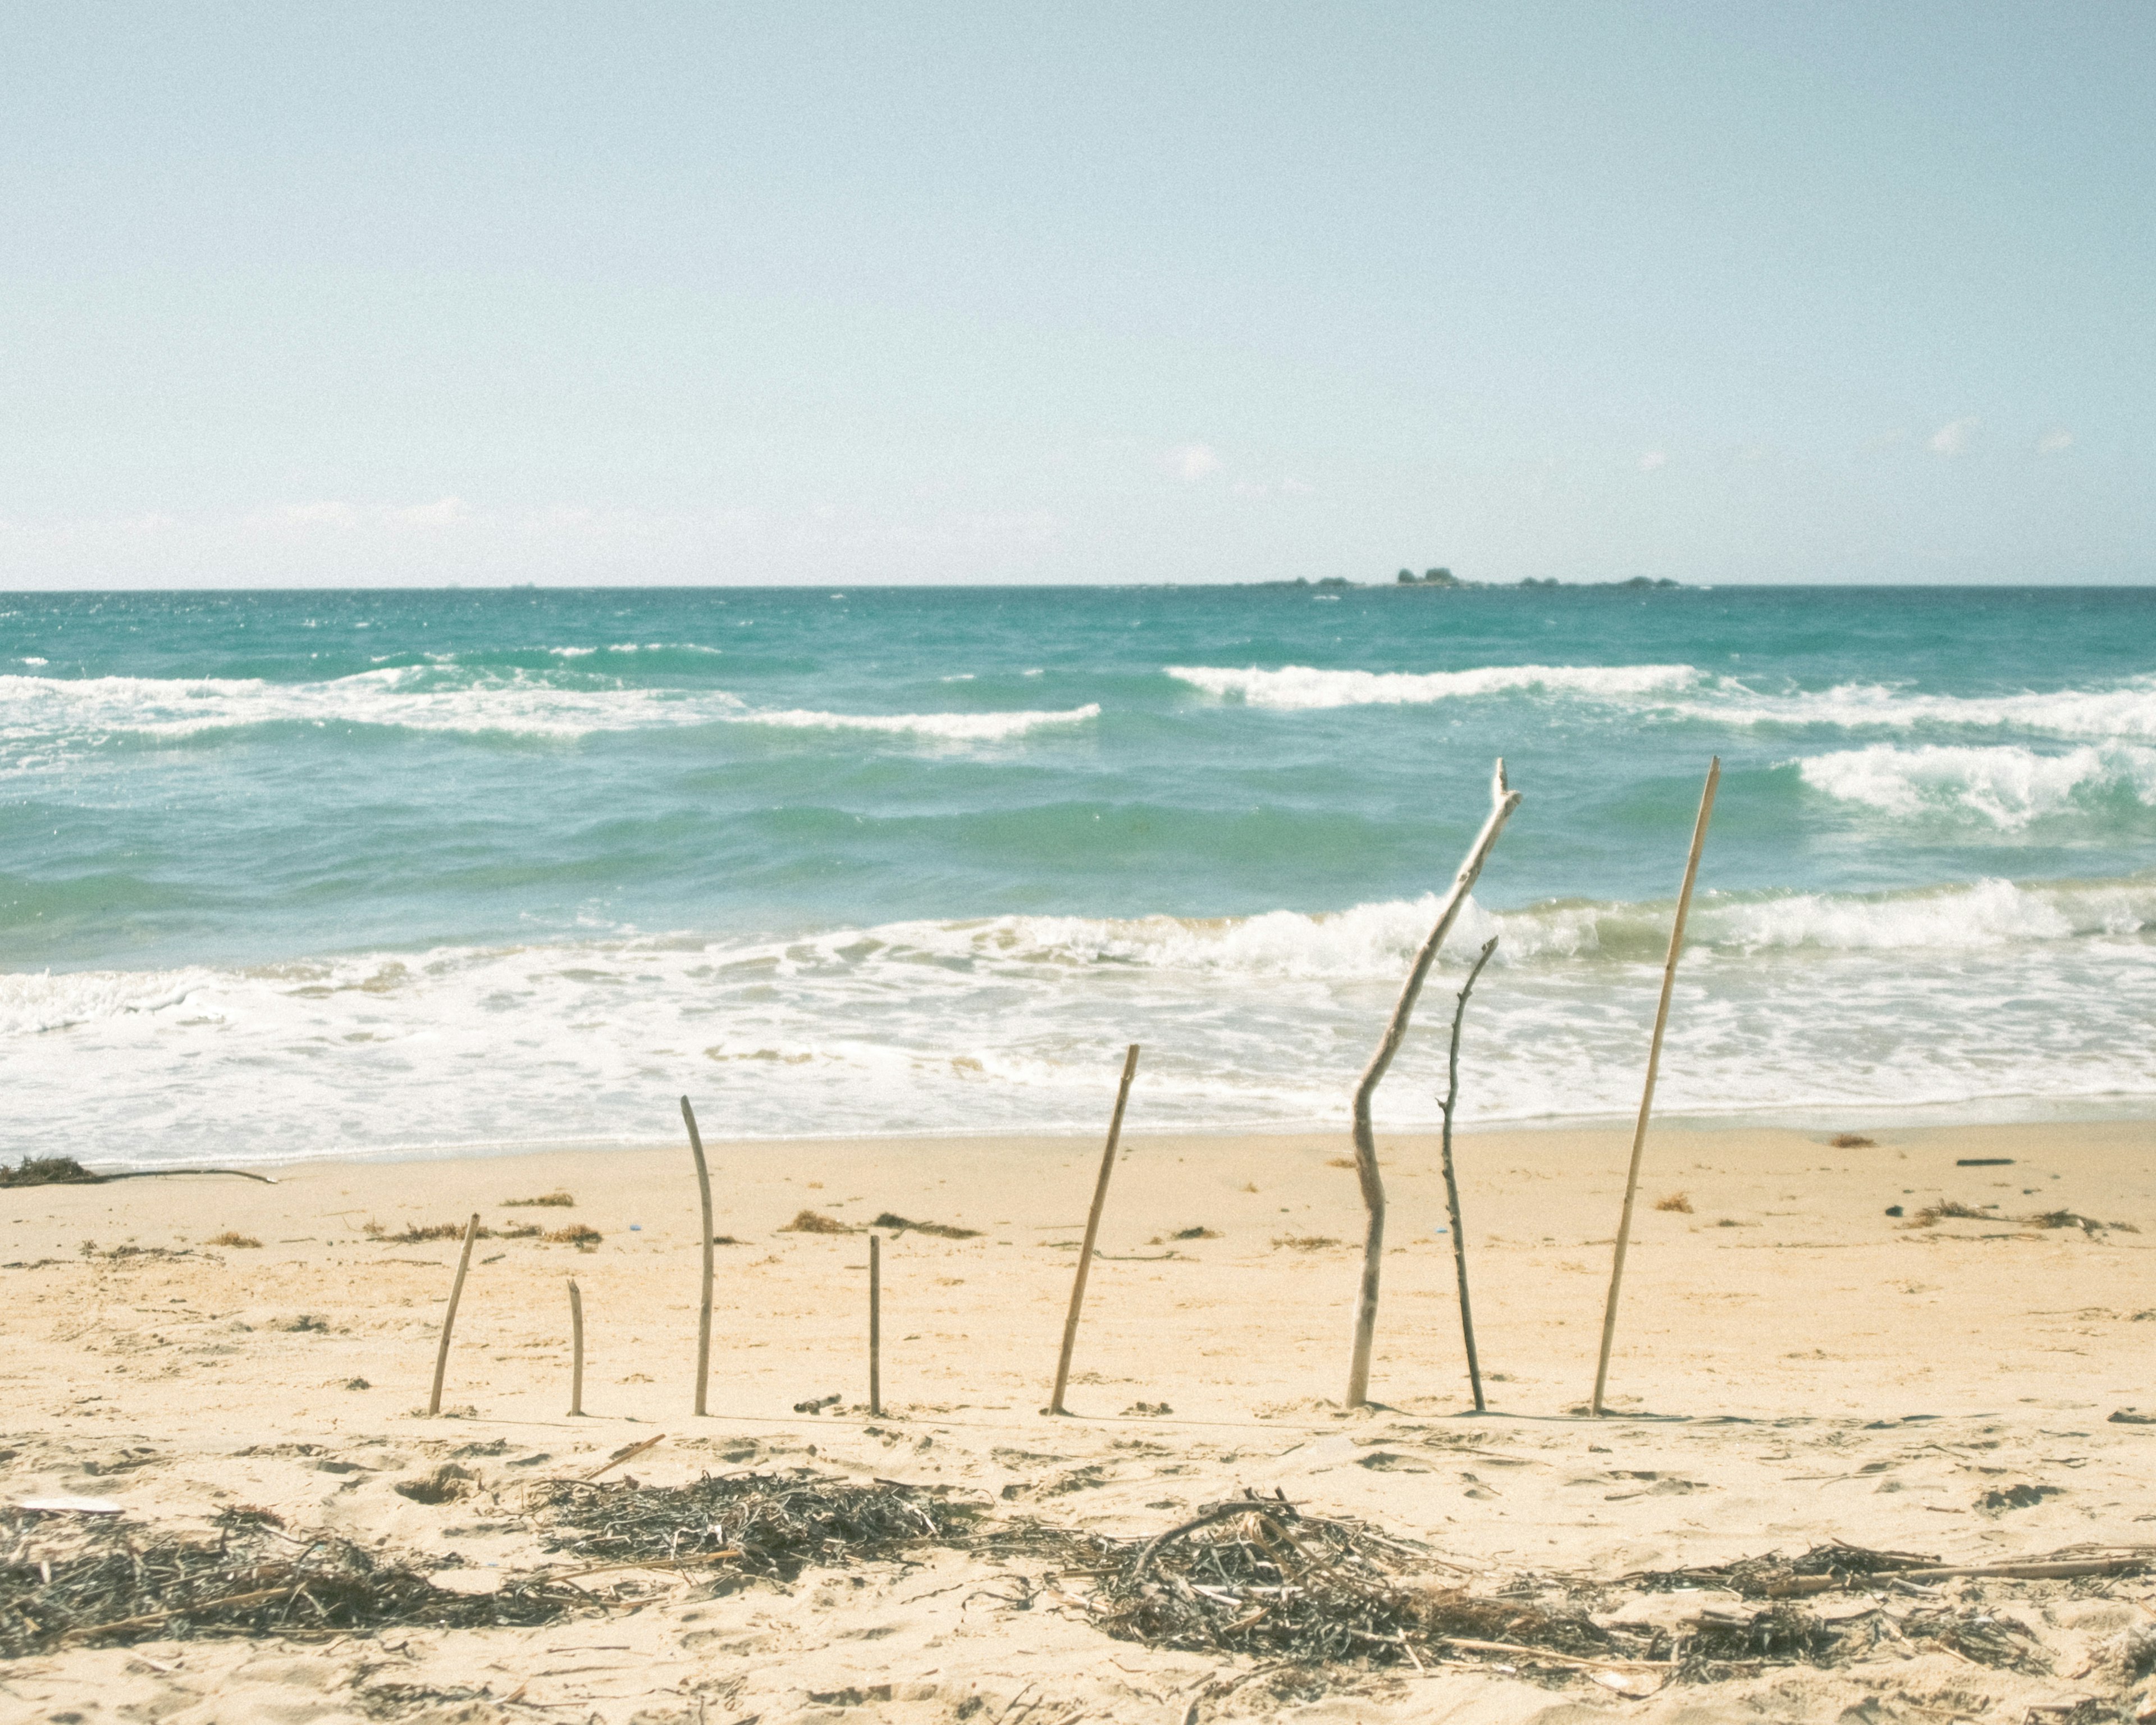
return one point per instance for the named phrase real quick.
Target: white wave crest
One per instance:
(2009, 786)
(2126, 711)
(950, 727)
(1302, 687)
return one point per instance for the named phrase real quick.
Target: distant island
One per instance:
(1444, 580)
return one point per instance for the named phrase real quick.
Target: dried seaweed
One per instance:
(766, 1525)
(48, 1170)
(941, 1231)
(114, 1580)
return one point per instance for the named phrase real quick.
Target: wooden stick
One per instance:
(876, 1327)
(1093, 1233)
(1503, 800)
(167, 1173)
(576, 1350)
(1452, 1184)
(630, 1454)
(449, 1318)
(1647, 1094)
(704, 1311)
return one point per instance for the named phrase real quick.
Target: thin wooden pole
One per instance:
(1647, 1094)
(704, 1308)
(449, 1318)
(876, 1327)
(1093, 1233)
(576, 1349)
(1452, 1182)
(1503, 800)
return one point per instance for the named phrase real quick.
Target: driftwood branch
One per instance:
(576, 1349)
(167, 1173)
(1503, 800)
(704, 1306)
(449, 1316)
(1452, 1182)
(1093, 1233)
(1647, 1093)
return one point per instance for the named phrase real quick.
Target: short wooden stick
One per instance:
(576, 1349)
(1647, 1094)
(704, 1307)
(1452, 1182)
(876, 1327)
(449, 1318)
(1503, 800)
(1093, 1233)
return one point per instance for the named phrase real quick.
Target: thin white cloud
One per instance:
(1293, 487)
(1953, 438)
(442, 512)
(2053, 441)
(1654, 460)
(1192, 462)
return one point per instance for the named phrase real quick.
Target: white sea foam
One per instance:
(950, 727)
(2126, 710)
(2007, 785)
(1301, 686)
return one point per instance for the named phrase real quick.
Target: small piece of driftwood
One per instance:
(449, 1318)
(876, 1327)
(576, 1349)
(1503, 800)
(167, 1173)
(630, 1454)
(703, 1301)
(1452, 1181)
(1092, 1232)
(1647, 1093)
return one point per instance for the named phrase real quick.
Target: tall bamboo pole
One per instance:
(449, 1318)
(1452, 1182)
(704, 1308)
(1647, 1094)
(1503, 800)
(576, 1349)
(1093, 1233)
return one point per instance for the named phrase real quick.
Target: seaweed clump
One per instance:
(768, 1526)
(48, 1171)
(113, 1580)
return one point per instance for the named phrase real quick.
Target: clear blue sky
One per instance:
(383, 292)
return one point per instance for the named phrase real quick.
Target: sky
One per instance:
(386, 294)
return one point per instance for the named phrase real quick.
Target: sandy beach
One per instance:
(1794, 1365)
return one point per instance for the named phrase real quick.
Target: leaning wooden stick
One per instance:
(449, 1318)
(1503, 800)
(1093, 1233)
(576, 1349)
(1647, 1095)
(876, 1327)
(703, 1309)
(1452, 1184)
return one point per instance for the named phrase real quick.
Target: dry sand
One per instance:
(1794, 1366)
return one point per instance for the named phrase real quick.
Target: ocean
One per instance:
(390, 874)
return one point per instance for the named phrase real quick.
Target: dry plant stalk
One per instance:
(704, 1307)
(1093, 1233)
(876, 1327)
(1452, 1180)
(1647, 1093)
(576, 1349)
(1503, 800)
(449, 1318)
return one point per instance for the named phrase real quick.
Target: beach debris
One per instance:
(1678, 1202)
(704, 1246)
(581, 1234)
(1503, 800)
(1647, 1088)
(876, 1327)
(1449, 1104)
(70, 1506)
(449, 1316)
(941, 1230)
(1984, 1162)
(112, 1579)
(818, 1404)
(546, 1200)
(2127, 1416)
(234, 1237)
(1950, 1209)
(2068, 1219)
(1304, 1243)
(1197, 1233)
(1893, 1210)
(768, 1526)
(1852, 1141)
(1087, 1247)
(627, 1452)
(48, 1170)
(813, 1222)
(1146, 1410)
(576, 1350)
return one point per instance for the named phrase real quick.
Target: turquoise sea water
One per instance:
(373, 872)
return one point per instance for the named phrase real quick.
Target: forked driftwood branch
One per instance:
(704, 1305)
(1093, 1233)
(1647, 1093)
(1503, 800)
(1451, 1181)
